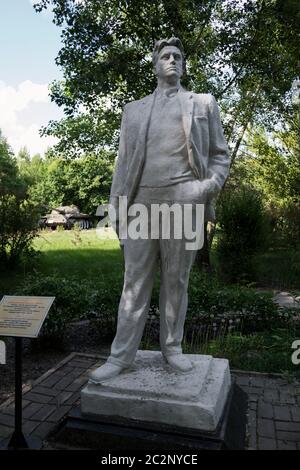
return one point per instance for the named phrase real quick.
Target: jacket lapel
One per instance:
(146, 111)
(138, 158)
(187, 105)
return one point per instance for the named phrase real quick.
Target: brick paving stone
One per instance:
(295, 414)
(271, 395)
(285, 445)
(253, 398)
(288, 436)
(253, 405)
(73, 398)
(44, 391)
(5, 431)
(77, 384)
(59, 413)
(51, 380)
(31, 409)
(266, 428)
(76, 372)
(66, 369)
(253, 390)
(81, 364)
(288, 426)
(29, 426)
(252, 418)
(43, 430)
(257, 381)
(287, 397)
(44, 412)
(242, 380)
(61, 398)
(10, 409)
(282, 413)
(266, 444)
(7, 420)
(64, 383)
(276, 382)
(252, 439)
(37, 398)
(265, 410)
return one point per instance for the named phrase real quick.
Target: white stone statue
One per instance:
(171, 150)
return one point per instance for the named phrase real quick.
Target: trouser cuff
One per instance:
(118, 362)
(171, 352)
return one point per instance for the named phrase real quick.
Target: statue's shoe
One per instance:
(179, 362)
(105, 372)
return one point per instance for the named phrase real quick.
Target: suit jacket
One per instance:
(207, 150)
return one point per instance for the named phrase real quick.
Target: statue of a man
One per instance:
(171, 150)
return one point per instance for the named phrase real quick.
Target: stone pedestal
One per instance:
(150, 391)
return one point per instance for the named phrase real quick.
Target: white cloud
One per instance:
(19, 120)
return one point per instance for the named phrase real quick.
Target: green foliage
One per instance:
(269, 351)
(30, 169)
(84, 181)
(244, 232)
(215, 309)
(10, 181)
(18, 227)
(246, 53)
(72, 300)
(287, 225)
(270, 164)
(18, 216)
(279, 269)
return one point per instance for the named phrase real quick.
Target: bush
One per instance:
(287, 225)
(18, 227)
(214, 310)
(244, 232)
(262, 352)
(72, 301)
(75, 299)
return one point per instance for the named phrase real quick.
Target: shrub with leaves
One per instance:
(72, 301)
(244, 232)
(18, 227)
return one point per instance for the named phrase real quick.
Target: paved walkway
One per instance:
(273, 412)
(287, 300)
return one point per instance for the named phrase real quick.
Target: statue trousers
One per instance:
(143, 257)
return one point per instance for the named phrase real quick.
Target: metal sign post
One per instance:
(22, 317)
(17, 440)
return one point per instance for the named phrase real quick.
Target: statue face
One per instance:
(169, 62)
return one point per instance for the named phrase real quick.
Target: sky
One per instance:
(29, 43)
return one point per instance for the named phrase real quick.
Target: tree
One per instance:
(29, 168)
(83, 181)
(241, 51)
(245, 52)
(19, 225)
(18, 216)
(270, 164)
(8, 168)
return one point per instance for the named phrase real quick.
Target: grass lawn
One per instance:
(79, 254)
(70, 253)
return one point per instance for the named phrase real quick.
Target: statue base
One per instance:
(151, 391)
(150, 407)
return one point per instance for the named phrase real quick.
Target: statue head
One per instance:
(168, 58)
